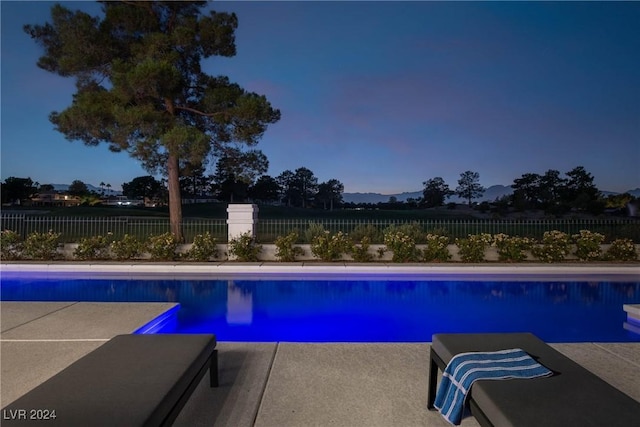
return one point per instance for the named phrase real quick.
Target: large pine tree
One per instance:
(141, 89)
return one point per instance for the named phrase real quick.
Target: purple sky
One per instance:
(385, 95)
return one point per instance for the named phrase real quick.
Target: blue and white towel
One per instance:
(466, 368)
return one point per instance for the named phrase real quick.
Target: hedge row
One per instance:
(555, 246)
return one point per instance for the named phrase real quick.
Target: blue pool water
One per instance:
(362, 310)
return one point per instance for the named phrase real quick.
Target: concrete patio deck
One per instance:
(265, 384)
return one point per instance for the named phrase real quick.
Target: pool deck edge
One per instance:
(631, 270)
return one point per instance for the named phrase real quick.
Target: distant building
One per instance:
(122, 201)
(51, 198)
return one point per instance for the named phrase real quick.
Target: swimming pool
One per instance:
(352, 309)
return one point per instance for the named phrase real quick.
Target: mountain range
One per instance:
(490, 194)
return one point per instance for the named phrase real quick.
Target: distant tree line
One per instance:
(235, 181)
(240, 181)
(551, 192)
(556, 194)
(436, 190)
(16, 191)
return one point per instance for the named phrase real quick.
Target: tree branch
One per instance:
(201, 113)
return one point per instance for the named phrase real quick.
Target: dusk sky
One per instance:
(384, 95)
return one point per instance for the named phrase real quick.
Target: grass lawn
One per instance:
(87, 211)
(219, 211)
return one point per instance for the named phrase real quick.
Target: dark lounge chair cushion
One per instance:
(131, 380)
(573, 396)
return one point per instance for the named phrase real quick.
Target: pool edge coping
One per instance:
(346, 268)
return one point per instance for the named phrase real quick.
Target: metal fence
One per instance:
(72, 229)
(269, 229)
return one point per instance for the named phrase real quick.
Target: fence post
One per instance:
(242, 218)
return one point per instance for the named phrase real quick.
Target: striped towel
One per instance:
(465, 368)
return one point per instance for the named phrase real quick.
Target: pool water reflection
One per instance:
(363, 310)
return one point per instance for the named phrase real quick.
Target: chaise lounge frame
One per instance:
(573, 396)
(131, 380)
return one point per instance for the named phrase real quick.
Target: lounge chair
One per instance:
(573, 396)
(131, 380)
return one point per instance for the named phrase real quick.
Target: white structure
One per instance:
(239, 305)
(241, 219)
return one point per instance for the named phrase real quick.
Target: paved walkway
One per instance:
(265, 384)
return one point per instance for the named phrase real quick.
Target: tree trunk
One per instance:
(175, 201)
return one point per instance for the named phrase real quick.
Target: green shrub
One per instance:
(554, 247)
(588, 245)
(621, 250)
(360, 252)
(286, 251)
(244, 248)
(41, 245)
(129, 247)
(162, 247)
(402, 245)
(436, 248)
(370, 231)
(511, 248)
(472, 248)
(329, 247)
(314, 230)
(93, 248)
(10, 245)
(413, 230)
(438, 231)
(204, 248)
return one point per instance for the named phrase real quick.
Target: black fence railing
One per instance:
(72, 229)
